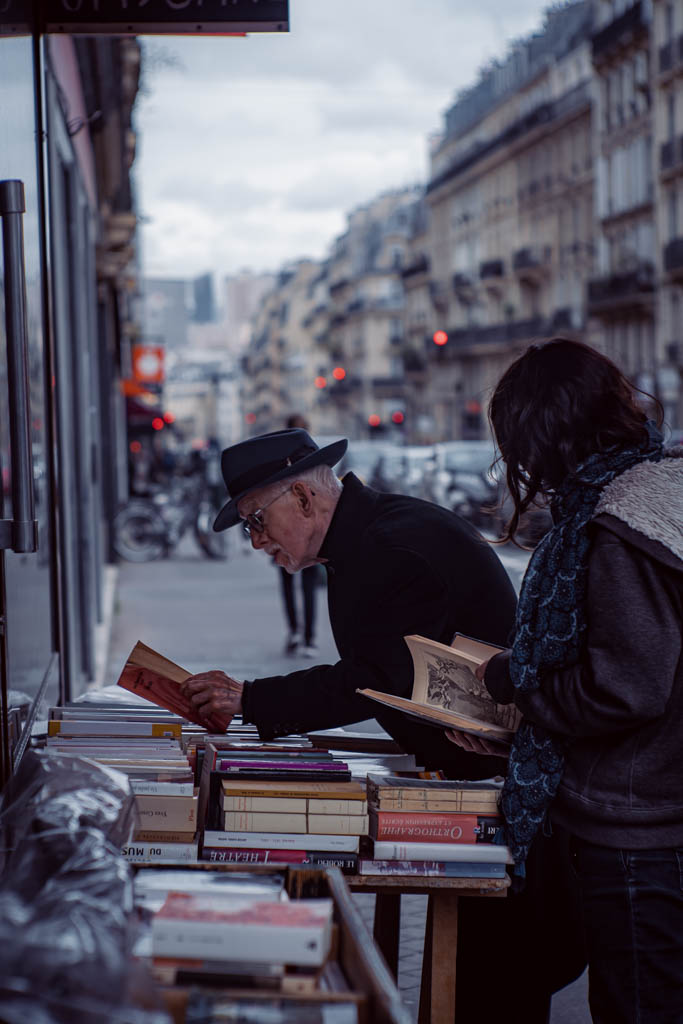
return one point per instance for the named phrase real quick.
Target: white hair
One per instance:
(322, 477)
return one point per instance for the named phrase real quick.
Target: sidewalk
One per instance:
(229, 615)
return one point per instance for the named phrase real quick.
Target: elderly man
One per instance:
(395, 566)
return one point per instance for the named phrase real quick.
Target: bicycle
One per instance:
(148, 528)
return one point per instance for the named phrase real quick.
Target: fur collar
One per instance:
(648, 497)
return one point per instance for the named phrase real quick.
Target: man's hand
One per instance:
(216, 696)
(477, 744)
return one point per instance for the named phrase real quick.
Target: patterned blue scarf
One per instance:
(550, 632)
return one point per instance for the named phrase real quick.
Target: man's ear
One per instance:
(304, 496)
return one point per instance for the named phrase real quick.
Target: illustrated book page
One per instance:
(447, 693)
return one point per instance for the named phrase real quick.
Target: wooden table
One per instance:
(437, 990)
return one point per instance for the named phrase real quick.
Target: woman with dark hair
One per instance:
(596, 666)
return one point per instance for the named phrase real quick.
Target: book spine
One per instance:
(256, 821)
(150, 836)
(318, 805)
(142, 853)
(142, 787)
(293, 944)
(431, 868)
(235, 764)
(278, 805)
(481, 852)
(240, 855)
(434, 828)
(281, 841)
(288, 774)
(105, 728)
(348, 862)
(436, 805)
(338, 824)
(173, 813)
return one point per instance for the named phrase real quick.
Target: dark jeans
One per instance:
(513, 953)
(633, 919)
(308, 582)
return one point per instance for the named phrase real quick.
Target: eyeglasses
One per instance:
(253, 522)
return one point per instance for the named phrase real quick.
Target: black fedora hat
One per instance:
(264, 460)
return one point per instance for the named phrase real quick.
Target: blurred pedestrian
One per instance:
(301, 637)
(596, 665)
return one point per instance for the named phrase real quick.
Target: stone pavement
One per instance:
(204, 614)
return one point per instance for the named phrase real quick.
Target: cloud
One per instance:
(252, 151)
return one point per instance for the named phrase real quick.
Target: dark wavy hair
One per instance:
(558, 403)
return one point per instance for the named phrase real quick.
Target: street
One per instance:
(229, 615)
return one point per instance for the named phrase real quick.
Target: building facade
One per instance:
(509, 203)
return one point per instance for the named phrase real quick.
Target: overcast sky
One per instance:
(252, 151)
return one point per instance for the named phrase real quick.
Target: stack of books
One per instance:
(147, 747)
(230, 930)
(434, 828)
(286, 807)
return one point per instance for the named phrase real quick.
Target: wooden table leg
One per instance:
(387, 927)
(437, 994)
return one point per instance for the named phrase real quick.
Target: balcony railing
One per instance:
(531, 257)
(511, 330)
(491, 268)
(633, 287)
(619, 31)
(418, 266)
(461, 282)
(673, 254)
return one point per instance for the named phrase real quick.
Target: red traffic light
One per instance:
(169, 417)
(135, 447)
(339, 373)
(397, 416)
(320, 382)
(250, 417)
(440, 338)
(157, 423)
(374, 420)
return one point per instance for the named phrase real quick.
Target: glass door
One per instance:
(27, 580)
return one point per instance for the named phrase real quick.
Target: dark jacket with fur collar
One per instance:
(622, 705)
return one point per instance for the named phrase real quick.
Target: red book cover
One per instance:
(209, 909)
(425, 827)
(158, 680)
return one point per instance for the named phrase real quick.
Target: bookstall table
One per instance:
(438, 987)
(357, 954)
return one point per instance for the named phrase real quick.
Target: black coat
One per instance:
(395, 566)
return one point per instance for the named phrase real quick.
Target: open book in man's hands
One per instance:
(447, 693)
(158, 679)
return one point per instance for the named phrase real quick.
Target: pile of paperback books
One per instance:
(148, 746)
(280, 803)
(434, 827)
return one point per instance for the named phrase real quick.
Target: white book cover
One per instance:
(141, 787)
(144, 853)
(487, 853)
(282, 841)
(297, 932)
